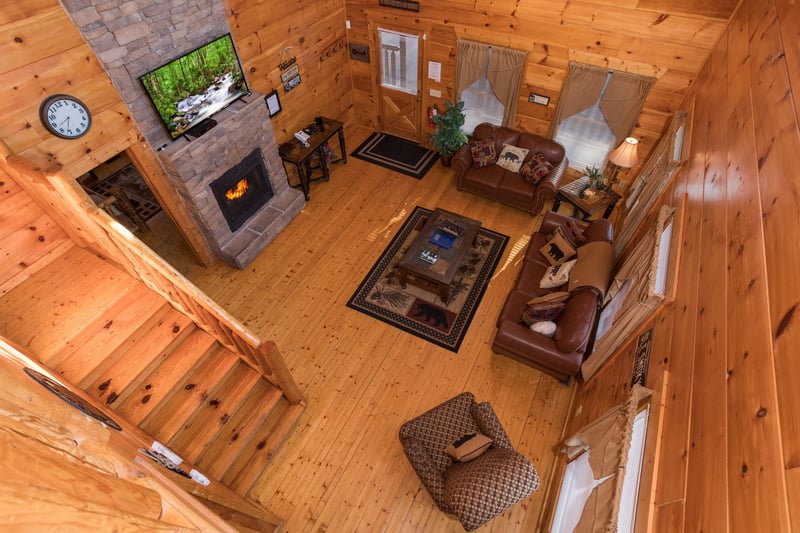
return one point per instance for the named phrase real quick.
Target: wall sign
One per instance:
(290, 70)
(408, 5)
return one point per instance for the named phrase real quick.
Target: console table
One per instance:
(295, 153)
(572, 193)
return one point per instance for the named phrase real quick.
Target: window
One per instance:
(597, 109)
(480, 103)
(586, 136)
(399, 61)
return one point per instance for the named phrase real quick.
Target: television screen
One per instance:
(191, 88)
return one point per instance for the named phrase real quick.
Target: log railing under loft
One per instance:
(92, 228)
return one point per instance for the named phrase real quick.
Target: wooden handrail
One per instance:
(62, 196)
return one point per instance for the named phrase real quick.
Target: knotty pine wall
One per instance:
(649, 37)
(314, 32)
(730, 441)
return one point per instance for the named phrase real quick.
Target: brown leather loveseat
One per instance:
(560, 356)
(496, 183)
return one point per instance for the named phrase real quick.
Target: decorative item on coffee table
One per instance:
(575, 194)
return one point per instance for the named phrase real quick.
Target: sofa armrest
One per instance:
(490, 425)
(548, 186)
(553, 220)
(518, 341)
(461, 163)
(426, 470)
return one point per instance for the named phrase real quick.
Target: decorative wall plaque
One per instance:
(408, 5)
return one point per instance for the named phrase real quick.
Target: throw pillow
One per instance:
(558, 249)
(535, 168)
(545, 327)
(468, 447)
(557, 275)
(573, 232)
(542, 311)
(483, 152)
(511, 157)
(556, 296)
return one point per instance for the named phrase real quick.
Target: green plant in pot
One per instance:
(594, 182)
(447, 136)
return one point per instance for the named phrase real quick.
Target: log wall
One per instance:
(730, 458)
(653, 38)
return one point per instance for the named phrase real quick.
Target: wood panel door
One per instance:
(399, 90)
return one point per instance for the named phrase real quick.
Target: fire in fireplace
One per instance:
(242, 190)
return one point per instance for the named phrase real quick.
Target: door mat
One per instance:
(420, 312)
(396, 154)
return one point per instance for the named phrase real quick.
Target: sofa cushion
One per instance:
(545, 327)
(541, 311)
(558, 248)
(573, 232)
(576, 322)
(511, 157)
(557, 275)
(483, 152)
(485, 180)
(535, 168)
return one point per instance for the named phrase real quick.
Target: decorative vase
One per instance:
(446, 159)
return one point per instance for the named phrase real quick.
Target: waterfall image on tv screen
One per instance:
(193, 87)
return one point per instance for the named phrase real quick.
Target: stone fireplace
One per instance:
(243, 190)
(137, 36)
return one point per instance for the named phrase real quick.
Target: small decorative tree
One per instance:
(596, 179)
(447, 136)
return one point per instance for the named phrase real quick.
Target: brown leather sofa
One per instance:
(496, 183)
(560, 356)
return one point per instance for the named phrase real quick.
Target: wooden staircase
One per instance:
(127, 347)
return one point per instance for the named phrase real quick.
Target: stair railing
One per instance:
(92, 228)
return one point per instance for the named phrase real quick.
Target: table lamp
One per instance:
(623, 156)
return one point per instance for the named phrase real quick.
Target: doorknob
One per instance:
(419, 96)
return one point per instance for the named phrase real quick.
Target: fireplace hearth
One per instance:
(243, 190)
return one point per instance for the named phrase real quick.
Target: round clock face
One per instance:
(65, 116)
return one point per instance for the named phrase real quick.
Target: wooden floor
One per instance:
(343, 468)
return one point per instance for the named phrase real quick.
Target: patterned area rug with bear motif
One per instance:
(416, 310)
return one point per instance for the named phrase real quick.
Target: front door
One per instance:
(399, 97)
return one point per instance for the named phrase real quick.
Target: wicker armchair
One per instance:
(478, 490)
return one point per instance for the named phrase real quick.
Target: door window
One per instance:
(399, 52)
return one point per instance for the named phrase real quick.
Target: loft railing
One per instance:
(92, 228)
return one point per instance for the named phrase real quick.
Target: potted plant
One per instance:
(594, 182)
(447, 136)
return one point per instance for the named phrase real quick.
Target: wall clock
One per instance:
(65, 116)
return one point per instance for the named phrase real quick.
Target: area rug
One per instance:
(420, 312)
(396, 154)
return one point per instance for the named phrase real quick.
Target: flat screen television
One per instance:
(194, 86)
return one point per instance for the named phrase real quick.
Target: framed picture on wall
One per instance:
(273, 103)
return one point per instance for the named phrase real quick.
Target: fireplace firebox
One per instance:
(242, 190)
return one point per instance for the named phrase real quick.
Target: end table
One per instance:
(572, 193)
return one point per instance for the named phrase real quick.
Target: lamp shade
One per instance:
(625, 155)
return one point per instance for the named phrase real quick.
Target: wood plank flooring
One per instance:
(342, 468)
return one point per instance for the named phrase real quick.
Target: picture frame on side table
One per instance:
(273, 103)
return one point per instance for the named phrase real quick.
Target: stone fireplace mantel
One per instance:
(193, 164)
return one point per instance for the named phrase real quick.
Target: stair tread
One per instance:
(259, 451)
(88, 347)
(251, 415)
(117, 376)
(155, 386)
(188, 394)
(69, 292)
(209, 419)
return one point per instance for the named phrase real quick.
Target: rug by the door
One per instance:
(420, 312)
(397, 154)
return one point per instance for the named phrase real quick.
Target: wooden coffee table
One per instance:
(438, 276)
